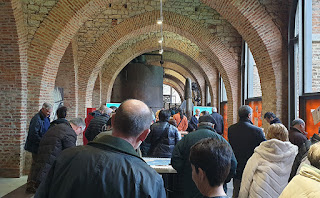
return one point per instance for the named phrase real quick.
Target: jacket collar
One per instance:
(116, 144)
(245, 120)
(42, 116)
(205, 127)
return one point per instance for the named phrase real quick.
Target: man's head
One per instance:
(62, 112)
(245, 111)
(164, 115)
(197, 112)
(46, 109)
(114, 109)
(78, 125)
(299, 124)
(210, 160)
(277, 131)
(269, 116)
(207, 120)
(214, 110)
(102, 108)
(132, 121)
(203, 113)
(314, 155)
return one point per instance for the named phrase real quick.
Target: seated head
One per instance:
(207, 120)
(210, 159)
(277, 131)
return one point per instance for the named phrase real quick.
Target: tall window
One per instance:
(304, 62)
(251, 81)
(170, 95)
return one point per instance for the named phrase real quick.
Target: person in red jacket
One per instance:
(182, 122)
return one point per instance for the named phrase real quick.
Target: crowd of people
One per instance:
(275, 163)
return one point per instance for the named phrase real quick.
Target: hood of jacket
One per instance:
(276, 150)
(310, 172)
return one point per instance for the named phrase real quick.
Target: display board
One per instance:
(202, 108)
(113, 104)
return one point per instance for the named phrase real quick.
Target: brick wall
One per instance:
(66, 80)
(96, 94)
(12, 87)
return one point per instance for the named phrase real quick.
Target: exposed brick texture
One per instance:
(211, 46)
(81, 45)
(268, 47)
(13, 103)
(66, 79)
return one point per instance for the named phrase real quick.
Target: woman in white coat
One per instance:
(268, 169)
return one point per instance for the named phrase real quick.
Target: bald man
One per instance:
(108, 166)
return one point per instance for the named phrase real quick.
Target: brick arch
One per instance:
(121, 59)
(178, 76)
(178, 61)
(175, 86)
(267, 46)
(144, 23)
(50, 42)
(174, 67)
(175, 79)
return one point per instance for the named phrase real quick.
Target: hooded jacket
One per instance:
(306, 184)
(268, 169)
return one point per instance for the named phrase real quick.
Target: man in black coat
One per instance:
(297, 132)
(98, 123)
(243, 137)
(108, 166)
(219, 127)
(180, 155)
(57, 138)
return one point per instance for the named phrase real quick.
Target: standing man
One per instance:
(39, 125)
(243, 137)
(98, 123)
(180, 155)
(219, 127)
(57, 138)
(108, 166)
(193, 124)
(271, 118)
(297, 132)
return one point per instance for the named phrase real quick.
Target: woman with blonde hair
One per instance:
(268, 169)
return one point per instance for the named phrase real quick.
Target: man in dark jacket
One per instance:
(56, 139)
(243, 137)
(162, 138)
(219, 127)
(39, 125)
(98, 123)
(193, 123)
(108, 166)
(271, 118)
(297, 133)
(180, 155)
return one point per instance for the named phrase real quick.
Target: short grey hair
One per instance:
(214, 110)
(103, 108)
(244, 111)
(108, 111)
(78, 122)
(47, 106)
(297, 121)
